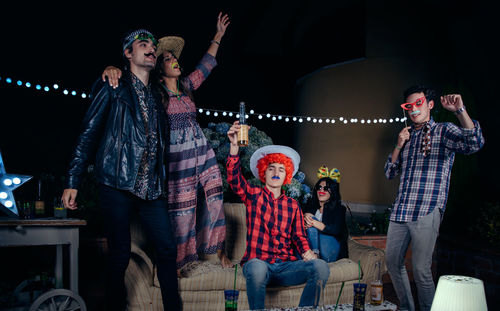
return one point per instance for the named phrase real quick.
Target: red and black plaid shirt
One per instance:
(273, 224)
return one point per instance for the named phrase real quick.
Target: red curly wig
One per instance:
(264, 162)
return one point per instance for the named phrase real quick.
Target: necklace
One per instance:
(177, 94)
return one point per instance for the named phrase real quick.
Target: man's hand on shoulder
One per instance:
(113, 75)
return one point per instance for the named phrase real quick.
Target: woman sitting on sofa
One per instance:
(324, 218)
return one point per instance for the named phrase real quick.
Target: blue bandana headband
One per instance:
(140, 34)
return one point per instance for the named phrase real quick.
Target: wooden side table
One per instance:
(46, 231)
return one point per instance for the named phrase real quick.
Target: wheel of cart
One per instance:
(58, 232)
(60, 300)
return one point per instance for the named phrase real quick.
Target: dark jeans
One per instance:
(118, 206)
(259, 274)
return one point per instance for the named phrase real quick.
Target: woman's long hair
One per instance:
(333, 188)
(159, 74)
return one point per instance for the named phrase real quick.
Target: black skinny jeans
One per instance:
(118, 206)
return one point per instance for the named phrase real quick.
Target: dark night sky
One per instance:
(267, 47)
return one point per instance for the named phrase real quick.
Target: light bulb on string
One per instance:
(217, 113)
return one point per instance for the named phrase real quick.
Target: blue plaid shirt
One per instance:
(425, 181)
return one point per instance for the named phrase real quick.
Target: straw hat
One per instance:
(170, 43)
(263, 151)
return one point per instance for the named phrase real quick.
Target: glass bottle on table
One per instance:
(243, 132)
(59, 209)
(377, 295)
(319, 296)
(27, 208)
(39, 202)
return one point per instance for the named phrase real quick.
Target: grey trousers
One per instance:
(422, 234)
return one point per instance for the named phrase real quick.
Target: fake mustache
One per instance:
(275, 177)
(414, 112)
(150, 54)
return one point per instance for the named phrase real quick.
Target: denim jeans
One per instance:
(327, 245)
(422, 234)
(118, 206)
(259, 274)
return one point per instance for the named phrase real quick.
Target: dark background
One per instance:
(268, 47)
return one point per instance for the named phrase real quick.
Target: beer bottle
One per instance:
(377, 295)
(243, 132)
(39, 202)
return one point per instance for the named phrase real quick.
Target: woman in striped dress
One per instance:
(195, 195)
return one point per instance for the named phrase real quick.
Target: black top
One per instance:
(335, 224)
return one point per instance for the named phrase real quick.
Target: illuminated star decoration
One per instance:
(9, 182)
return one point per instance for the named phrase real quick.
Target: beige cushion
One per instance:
(236, 230)
(203, 275)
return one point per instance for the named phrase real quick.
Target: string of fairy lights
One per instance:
(221, 113)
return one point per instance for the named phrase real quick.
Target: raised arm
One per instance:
(235, 179)
(455, 104)
(232, 134)
(222, 23)
(467, 138)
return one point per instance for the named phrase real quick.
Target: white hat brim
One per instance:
(263, 151)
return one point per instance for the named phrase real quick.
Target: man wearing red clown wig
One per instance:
(275, 226)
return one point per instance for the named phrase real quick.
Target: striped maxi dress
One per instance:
(195, 198)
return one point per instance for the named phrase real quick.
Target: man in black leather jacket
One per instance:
(125, 128)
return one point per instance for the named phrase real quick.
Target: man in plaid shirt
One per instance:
(424, 156)
(275, 226)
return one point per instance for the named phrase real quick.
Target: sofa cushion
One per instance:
(343, 270)
(205, 275)
(236, 230)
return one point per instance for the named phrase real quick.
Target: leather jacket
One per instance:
(113, 130)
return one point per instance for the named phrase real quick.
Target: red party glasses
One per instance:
(417, 103)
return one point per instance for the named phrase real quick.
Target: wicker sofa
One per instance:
(203, 282)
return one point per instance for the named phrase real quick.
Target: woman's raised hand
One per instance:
(222, 23)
